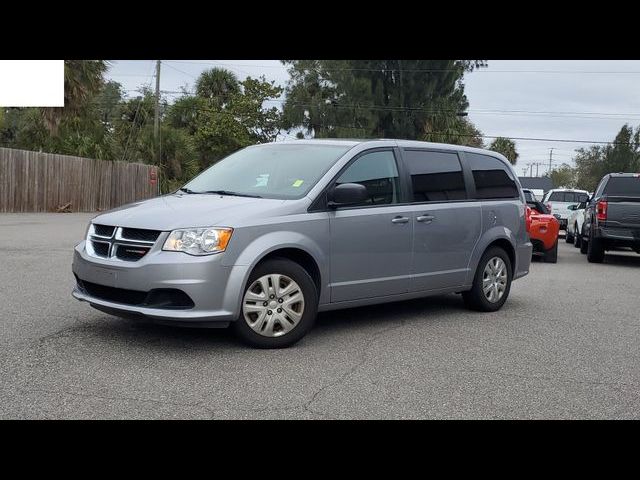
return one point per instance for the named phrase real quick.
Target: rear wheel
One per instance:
(491, 283)
(595, 249)
(551, 255)
(568, 236)
(279, 305)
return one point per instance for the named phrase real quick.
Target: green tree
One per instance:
(454, 130)
(218, 86)
(374, 98)
(506, 147)
(563, 176)
(83, 79)
(623, 155)
(220, 128)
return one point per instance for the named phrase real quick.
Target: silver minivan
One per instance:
(274, 233)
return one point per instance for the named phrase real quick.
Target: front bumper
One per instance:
(215, 289)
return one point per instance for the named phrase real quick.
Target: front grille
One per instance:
(103, 230)
(140, 234)
(120, 243)
(165, 298)
(101, 248)
(130, 253)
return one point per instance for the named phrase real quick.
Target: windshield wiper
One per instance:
(187, 190)
(228, 192)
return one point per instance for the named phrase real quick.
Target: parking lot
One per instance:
(565, 345)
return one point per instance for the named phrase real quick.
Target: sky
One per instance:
(587, 100)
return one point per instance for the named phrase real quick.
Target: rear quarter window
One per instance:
(492, 177)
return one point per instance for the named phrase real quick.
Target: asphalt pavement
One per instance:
(565, 345)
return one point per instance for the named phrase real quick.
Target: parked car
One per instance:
(574, 223)
(612, 216)
(543, 229)
(558, 200)
(274, 233)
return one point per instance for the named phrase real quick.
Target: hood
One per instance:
(187, 210)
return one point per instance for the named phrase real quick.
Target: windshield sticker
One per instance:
(297, 183)
(262, 180)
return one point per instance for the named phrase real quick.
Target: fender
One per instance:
(261, 246)
(488, 237)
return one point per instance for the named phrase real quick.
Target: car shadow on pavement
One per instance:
(147, 334)
(631, 259)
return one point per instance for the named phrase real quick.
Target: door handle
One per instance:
(400, 220)
(425, 218)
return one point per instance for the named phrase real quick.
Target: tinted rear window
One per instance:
(492, 177)
(629, 186)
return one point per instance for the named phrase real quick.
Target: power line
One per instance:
(427, 70)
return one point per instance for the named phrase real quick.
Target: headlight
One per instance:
(198, 241)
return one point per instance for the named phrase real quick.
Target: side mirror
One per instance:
(347, 194)
(572, 207)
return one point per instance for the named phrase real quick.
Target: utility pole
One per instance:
(550, 160)
(156, 119)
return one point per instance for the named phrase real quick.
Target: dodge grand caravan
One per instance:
(274, 233)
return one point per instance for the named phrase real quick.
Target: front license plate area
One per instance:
(104, 276)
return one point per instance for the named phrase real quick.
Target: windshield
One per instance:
(284, 171)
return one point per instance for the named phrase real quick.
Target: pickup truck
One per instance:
(612, 216)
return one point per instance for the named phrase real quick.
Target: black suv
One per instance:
(612, 216)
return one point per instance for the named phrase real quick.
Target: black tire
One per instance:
(475, 298)
(595, 249)
(568, 237)
(299, 275)
(583, 243)
(551, 255)
(577, 238)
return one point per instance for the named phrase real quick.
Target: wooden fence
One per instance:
(43, 182)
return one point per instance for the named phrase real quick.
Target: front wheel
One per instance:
(577, 238)
(279, 305)
(491, 283)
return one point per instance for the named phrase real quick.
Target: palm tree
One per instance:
(82, 80)
(217, 85)
(506, 147)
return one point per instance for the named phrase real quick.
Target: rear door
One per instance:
(371, 243)
(446, 225)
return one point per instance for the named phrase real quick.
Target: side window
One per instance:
(378, 172)
(435, 176)
(492, 177)
(582, 197)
